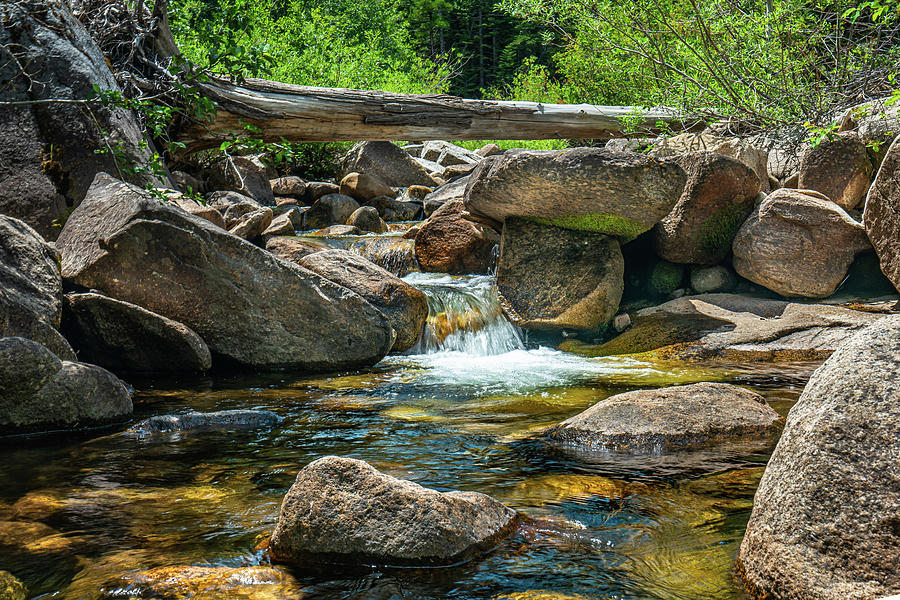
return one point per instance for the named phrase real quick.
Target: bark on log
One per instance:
(311, 114)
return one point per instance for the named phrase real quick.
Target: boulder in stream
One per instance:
(825, 518)
(330, 209)
(344, 511)
(622, 194)
(448, 242)
(210, 421)
(122, 336)
(42, 393)
(667, 419)
(558, 279)
(250, 307)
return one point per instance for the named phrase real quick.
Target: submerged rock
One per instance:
(11, 588)
(882, 215)
(718, 197)
(662, 420)
(123, 336)
(797, 244)
(824, 522)
(30, 287)
(839, 168)
(342, 510)
(386, 161)
(405, 306)
(215, 583)
(622, 194)
(249, 307)
(448, 242)
(197, 421)
(553, 278)
(735, 327)
(43, 393)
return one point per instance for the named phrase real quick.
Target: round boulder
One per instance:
(367, 219)
(667, 419)
(342, 510)
(839, 168)
(448, 242)
(330, 209)
(825, 519)
(363, 187)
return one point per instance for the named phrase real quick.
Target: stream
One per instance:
(456, 413)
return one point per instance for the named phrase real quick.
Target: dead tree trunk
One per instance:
(309, 114)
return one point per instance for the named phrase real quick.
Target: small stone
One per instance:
(621, 322)
(707, 280)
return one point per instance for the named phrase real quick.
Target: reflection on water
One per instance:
(85, 518)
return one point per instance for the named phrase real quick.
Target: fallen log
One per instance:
(311, 114)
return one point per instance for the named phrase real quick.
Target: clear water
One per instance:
(88, 513)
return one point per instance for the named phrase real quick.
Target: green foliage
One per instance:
(511, 144)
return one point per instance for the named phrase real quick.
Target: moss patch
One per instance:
(666, 277)
(718, 231)
(624, 228)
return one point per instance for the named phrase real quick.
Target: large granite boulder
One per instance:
(559, 279)
(386, 161)
(798, 244)
(242, 175)
(367, 219)
(661, 420)
(330, 209)
(622, 194)
(448, 242)
(405, 306)
(292, 248)
(455, 190)
(882, 215)
(48, 150)
(719, 195)
(362, 187)
(342, 510)
(43, 393)
(121, 336)
(825, 517)
(30, 287)
(839, 168)
(744, 150)
(250, 307)
(734, 327)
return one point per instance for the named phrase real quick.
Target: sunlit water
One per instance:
(461, 414)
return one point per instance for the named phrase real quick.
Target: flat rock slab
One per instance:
(622, 194)
(344, 511)
(250, 307)
(122, 336)
(825, 516)
(211, 421)
(662, 420)
(735, 327)
(553, 278)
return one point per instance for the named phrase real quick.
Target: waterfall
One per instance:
(464, 316)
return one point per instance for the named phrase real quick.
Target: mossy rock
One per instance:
(666, 277)
(11, 588)
(624, 228)
(717, 233)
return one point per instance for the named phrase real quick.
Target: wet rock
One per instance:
(331, 209)
(363, 187)
(882, 215)
(416, 193)
(394, 210)
(447, 154)
(621, 322)
(405, 306)
(366, 218)
(337, 230)
(11, 588)
(48, 150)
(291, 248)
(824, 521)
(30, 287)
(121, 336)
(450, 243)
(734, 327)
(242, 175)
(719, 195)
(754, 156)
(343, 510)
(198, 421)
(290, 185)
(558, 279)
(215, 583)
(129, 246)
(839, 168)
(397, 256)
(796, 244)
(621, 194)
(386, 161)
(42, 393)
(281, 225)
(707, 280)
(662, 420)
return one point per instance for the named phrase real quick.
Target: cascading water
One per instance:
(464, 316)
